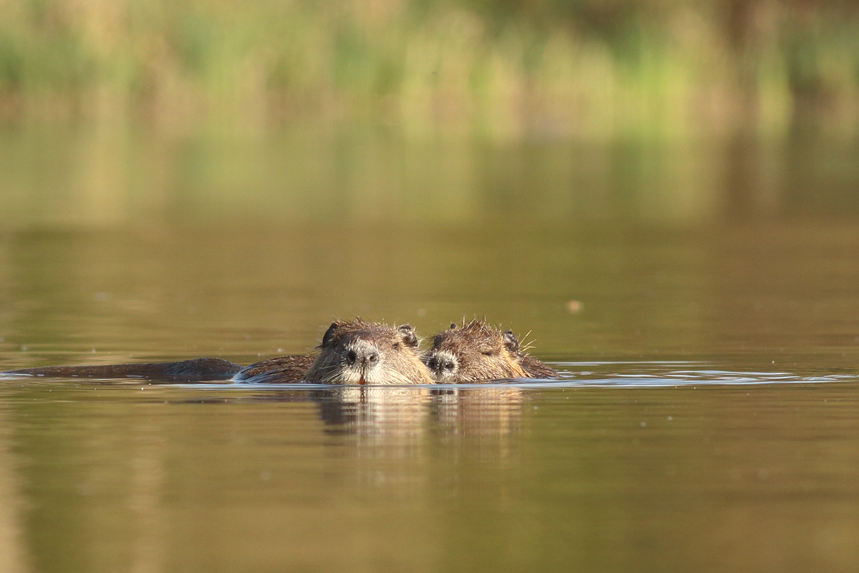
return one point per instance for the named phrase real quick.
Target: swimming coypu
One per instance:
(357, 352)
(352, 352)
(477, 352)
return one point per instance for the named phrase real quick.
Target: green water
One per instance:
(704, 421)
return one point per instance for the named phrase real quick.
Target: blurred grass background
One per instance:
(574, 68)
(143, 112)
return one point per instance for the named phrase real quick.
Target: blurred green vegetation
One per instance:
(556, 68)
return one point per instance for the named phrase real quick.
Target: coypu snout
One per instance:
(443, 365)
(362, 355)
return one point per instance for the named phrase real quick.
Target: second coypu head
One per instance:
(477, 352)
(358, 352)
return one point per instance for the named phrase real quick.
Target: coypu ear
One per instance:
(329, 334)
(510, 341)
(452, 326)
(407, 333)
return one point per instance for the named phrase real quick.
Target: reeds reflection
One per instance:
(307, 177)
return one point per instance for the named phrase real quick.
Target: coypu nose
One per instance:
(365, 356)
(372, 357)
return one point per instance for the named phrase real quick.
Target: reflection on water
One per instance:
(679, 373)
(372, 412)
(151, 478)
(492, 411)
(159, 478)
(120, 179)
(386, 414)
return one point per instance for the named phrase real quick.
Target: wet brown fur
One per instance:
(477, 352)
(186, 370)
(276, 370)
(382, 355)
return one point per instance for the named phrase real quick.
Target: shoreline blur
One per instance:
(505, 70)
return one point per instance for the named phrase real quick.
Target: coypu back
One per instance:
(276, 370)
(352, 352)
(185, 370)
(477, 352)
(358, 352)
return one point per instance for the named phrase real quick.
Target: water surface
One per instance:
(706, 328)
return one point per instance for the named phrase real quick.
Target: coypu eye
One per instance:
(510, 341)
(487, 352)
(396, 345)
(329, 334)
(408, 335)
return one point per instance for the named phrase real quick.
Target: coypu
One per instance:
(352, 352)
(357, 352)
(477, 352)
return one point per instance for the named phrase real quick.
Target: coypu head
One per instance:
(476, 351)
(358, 352)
